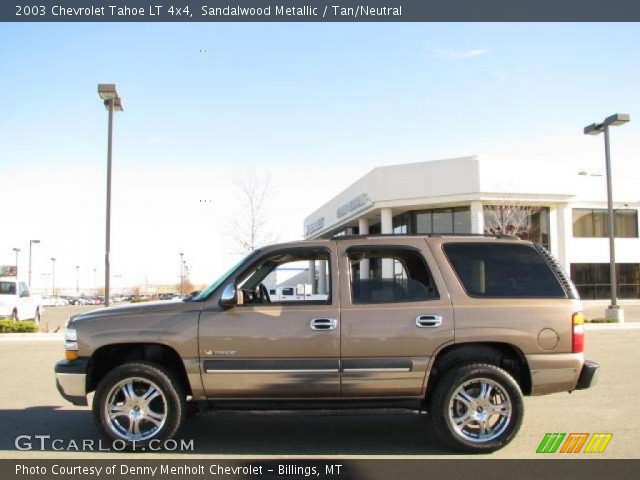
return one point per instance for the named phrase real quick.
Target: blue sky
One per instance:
(303, 101)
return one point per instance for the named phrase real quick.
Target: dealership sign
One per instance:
(314, 226)
(352, 205)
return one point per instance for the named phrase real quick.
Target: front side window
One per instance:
(389, 276)
(505, 270)
(287, 277)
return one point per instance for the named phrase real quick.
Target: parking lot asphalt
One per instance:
(30, 405)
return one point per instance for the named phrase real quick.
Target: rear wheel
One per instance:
(14, 316)
(139, 402)
(477, 408)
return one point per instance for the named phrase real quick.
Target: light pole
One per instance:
(31, 242)
(181, 272)
(17, 250)
(613, 311)
(112, 102)
(95, 282)
(53, 276)
(77, 280)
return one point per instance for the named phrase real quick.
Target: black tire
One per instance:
(443, 405)
(172, 403)
(14, 316)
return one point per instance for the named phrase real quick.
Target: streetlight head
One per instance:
(117, 104)
(35, 241)
(617, 119)
(107, 91)
(593, 129)
(16, 250)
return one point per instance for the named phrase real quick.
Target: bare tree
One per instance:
(510, 216)
(249, 227)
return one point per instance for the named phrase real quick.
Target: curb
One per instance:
(32, 337)
(612, 326)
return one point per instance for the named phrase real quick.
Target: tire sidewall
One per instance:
(175, 401)
(448, 385)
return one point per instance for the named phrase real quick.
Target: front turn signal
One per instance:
(71, 355)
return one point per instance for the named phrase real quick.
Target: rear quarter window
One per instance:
(503, 270)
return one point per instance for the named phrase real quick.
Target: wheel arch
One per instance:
(501, 354)
(107, 357)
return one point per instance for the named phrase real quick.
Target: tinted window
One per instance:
(503, 270)
(390, 276)
(7, 288)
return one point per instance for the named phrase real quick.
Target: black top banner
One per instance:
(320, 11)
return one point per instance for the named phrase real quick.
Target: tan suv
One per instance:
(459, 326)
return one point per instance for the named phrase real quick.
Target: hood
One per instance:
(161, 306)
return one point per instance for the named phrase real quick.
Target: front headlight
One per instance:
(70, 334)
(70, 343)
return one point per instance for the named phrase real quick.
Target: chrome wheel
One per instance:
(480, 410)
(136, 409)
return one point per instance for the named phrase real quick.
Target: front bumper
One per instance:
(588, 375)
(71, 377)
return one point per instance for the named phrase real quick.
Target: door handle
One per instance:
(323, 323)
(428, 321)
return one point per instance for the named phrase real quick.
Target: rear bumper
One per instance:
(588, 375)
(71, 380)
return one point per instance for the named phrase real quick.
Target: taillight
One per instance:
(577, 334)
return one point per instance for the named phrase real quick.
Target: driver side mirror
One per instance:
(229, 296)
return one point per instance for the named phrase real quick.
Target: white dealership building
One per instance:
(553, 203)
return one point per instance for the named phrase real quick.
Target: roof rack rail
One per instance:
(432, 235)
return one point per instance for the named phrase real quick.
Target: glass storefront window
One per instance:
(423, 222)
(582, 222)
(527, 223)
(461, 220)
(443, 220)
(590, 223)
(592, 280)
(626, 223)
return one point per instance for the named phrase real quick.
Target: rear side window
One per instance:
(389, 275)
(503, 270)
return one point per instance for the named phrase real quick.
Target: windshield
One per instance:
(7, 288)
(207, 291)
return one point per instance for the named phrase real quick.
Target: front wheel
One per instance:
(139, 402)
(477, 408)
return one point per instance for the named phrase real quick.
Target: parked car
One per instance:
(460, 326)
(48, 301)
(17, 302)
